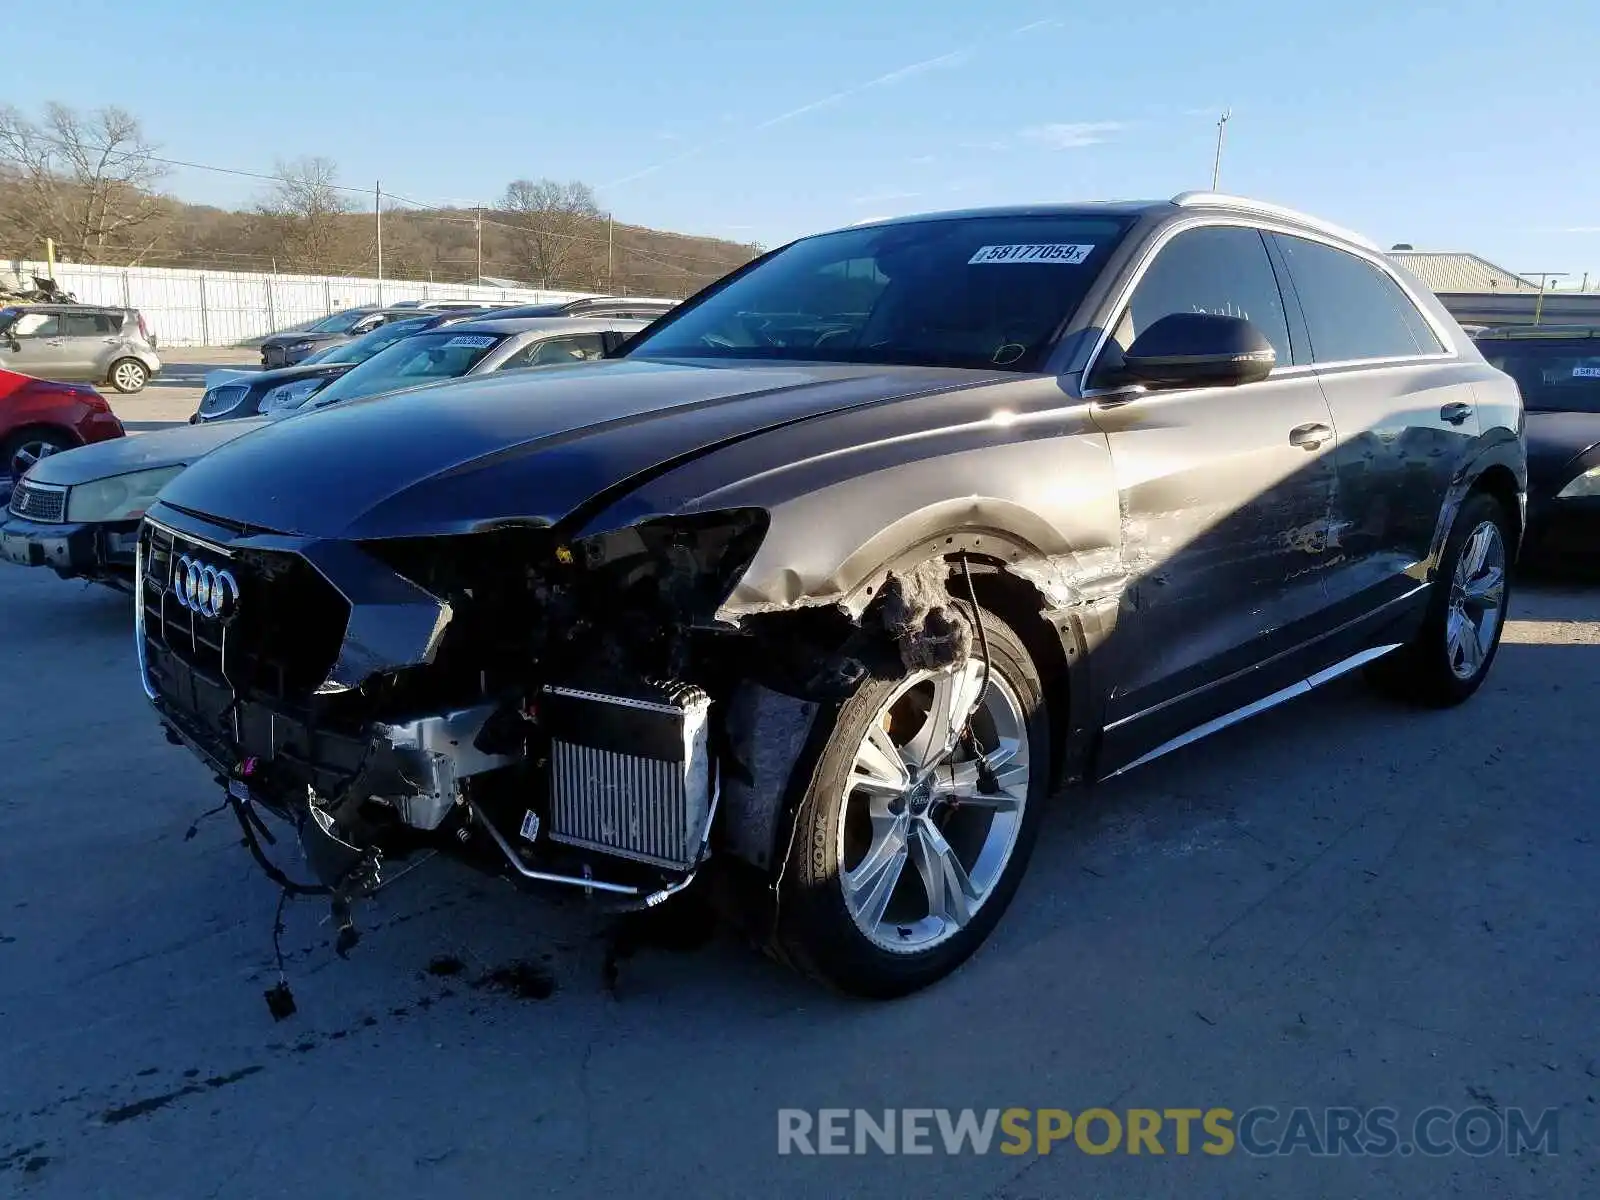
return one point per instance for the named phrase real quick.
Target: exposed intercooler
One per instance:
(630, 775)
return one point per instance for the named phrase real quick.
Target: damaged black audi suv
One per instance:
(816, 592)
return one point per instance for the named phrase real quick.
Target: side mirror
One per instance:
(1199, 350)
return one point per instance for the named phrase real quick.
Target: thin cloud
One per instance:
(954, 58)
(1072, 135)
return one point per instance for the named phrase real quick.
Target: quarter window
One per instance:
(1223, 270)
(1353, 309)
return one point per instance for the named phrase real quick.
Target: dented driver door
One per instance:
(1227, 495)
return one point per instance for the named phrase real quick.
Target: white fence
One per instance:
(229, 308)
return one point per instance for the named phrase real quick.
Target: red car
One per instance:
(39, 417)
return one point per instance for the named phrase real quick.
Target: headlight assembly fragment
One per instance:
(119, 498)
(691, 562)
(1587, 484)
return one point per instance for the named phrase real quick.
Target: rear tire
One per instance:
(1450, 655)
(882, 931)
(128, 375)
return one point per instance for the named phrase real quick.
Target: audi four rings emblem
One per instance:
(204, 589)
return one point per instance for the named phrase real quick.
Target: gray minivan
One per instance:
(79, 343)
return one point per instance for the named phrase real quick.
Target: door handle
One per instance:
(1309, 437)
(1455, 413)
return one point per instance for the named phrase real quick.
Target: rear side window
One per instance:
(88, 324)
(1223, 270)
(1353, 310)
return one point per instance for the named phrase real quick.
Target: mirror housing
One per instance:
(1199, 350)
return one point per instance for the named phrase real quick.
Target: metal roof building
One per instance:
(1458, 271)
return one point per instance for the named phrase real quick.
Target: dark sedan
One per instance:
(1557, 369)
(287, 349)
(246, 395)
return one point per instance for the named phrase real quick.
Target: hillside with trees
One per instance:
(92, 182)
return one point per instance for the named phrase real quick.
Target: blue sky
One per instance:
(1466, 125)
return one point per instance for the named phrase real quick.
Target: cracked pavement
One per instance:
(1339, 903)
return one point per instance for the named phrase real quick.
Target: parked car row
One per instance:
(78, 514)
(814, 590)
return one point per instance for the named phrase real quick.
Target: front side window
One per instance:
(422, 358)
(1555, 376)
(573, 348)
(1353, 310)
(37, 324)
(975, 292)
(1222, 270)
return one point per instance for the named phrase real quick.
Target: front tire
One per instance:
(24, 449)
(128, 375)
(906, 854)
(1450, 655)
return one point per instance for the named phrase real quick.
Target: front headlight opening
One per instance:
(119, 498)
(692, 563)
(289, 395)
(1587, 484)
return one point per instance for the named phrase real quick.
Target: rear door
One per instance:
(91, 343)
(1226, 496)
(1404, 409)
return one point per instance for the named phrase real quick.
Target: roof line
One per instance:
(1262, 207)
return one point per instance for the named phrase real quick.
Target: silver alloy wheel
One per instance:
(1477, 600)
(129, 376)
(916, 796)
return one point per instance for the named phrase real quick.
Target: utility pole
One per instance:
(1216, 163)
(610, 222)
(479, 278)
(377, 212)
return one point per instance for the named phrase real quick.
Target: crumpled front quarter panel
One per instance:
(1018, 462)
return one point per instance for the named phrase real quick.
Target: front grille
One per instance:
(39, 502)
(276, 643)
(223, 399)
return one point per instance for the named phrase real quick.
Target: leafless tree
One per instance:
(554, 230)
(87, 180)
(304, 213)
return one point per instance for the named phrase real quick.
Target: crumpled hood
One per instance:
(174, 447)
(523, 447)
(1554, 439)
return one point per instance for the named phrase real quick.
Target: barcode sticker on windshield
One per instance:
(1055, 252)
(1586, 372)
(476, 342)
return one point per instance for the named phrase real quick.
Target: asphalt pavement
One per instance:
(1342, 903)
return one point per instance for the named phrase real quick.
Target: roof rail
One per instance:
(1261, 207)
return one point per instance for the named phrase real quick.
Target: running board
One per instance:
(1259, 706)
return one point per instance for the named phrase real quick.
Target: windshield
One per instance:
(979, 292)
(368, 344)
(423, 358)
(1553, 376)
(339, 322)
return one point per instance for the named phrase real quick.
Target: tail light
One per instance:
(144, 330)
